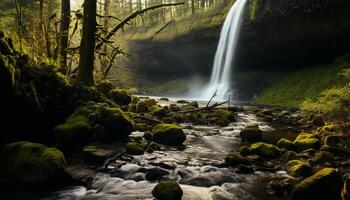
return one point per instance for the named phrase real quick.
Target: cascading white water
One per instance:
(221, 75)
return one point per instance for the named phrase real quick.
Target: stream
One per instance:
(196, 167)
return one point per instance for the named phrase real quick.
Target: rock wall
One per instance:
(275, 34)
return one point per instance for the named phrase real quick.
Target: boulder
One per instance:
(160, 112)
(96, 154)
(167, 190)
(121, 97)
(290, 155)
(285, 144)
(234, 159)
(32, 164)
(104, 87)
(148, 136)
(93, 122)
(168, 134)
(298, 168)
(142, 107)
(251, 134)
(306, 141)
(323, 157)
(156, 174)
(325, 184)
(73, 134)
(338, 141)
(134, 148)
(150, 102)
(224, 117)
(265, 150)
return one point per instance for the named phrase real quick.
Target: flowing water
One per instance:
(196, 167)
(225, 54)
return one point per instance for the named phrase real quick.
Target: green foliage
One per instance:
(210, 18)
(253, 8)
(333, 103)
(292, 88)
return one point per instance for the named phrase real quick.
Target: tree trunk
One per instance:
(192, 6)
(64, 33)
(87, 45)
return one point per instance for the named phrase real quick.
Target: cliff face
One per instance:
(275, 33)
(294, 32)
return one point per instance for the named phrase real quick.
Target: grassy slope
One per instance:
(201, 20)
(294, 87)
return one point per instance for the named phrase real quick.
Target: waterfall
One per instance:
(225, 54)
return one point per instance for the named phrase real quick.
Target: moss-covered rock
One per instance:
(150, 102)
(167, 190)
(234, 159)
(168, 134)
(121, 97)
(298, 168)
(182, 101)
(104, 87)
(290, 155)
(160, 112)
(244, 150)
(96, 154)
(143, 127)
(306, 141)
(323, 157)
(341, 142)
(148, 136)
(251, 134)
(224, 117)
(73, 134)
(193, 104)
(265, 150)
(142, 107)
(134, 148)
(285, 144)
(93, 122)
(31, 164)
(154, 146)
(325, 184)
(164, 99)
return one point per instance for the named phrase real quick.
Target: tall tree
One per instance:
(64, 33)
(87, 44)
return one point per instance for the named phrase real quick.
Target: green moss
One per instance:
(75, 133)
(121, 97)
(169, 134)
(104, 87)
(325, 184)
(94, 121)
(285, 144)
(134, 148)
(290, 155)
(224, 117)
(234, 159)
(323, 157)
(142, 107)
(253, 9)
(251, 134)
(167, 190)
(31, 164)
(306, 141)
(160, 112)
(265, 150)
(298, 168)
(292, 88)
(150, 102)
(154, 146)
